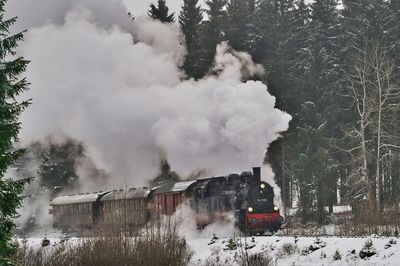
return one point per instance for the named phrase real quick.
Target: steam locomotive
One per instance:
(250, 200)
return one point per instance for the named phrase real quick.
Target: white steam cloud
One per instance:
(114, 85)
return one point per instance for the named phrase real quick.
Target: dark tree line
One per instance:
(335, 70)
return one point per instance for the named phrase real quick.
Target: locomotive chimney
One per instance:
(257, 174)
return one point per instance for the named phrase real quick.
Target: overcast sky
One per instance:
(139, 7)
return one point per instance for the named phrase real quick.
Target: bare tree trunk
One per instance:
(378, 178)
(364, 157)
(364, 109)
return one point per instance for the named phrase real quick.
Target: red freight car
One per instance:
(169, 196)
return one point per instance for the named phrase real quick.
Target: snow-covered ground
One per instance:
(297, 251)
(285, 250)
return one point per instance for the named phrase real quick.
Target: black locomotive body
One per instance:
(243, 198)
(250, 200)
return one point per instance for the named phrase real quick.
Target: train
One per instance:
(241, 197)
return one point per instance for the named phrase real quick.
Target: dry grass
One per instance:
(364, 221)
(257, 259)
(352, 230)
(245, 258)
(156, 245)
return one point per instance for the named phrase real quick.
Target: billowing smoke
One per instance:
(114, 84)
(184, 217)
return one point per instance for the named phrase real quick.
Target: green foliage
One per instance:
(10, 200)
(306, 50)
(319, 67)
(190, 20)
(337, 255)
(161, 12)
(10, 109)
(241, 31)
(231, 244)
(212, 32)
(58, 164)
(368, 250)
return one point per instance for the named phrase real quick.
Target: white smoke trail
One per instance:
(114, 85)
(187, 225)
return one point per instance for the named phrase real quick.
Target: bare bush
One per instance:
(257, 259)
(158, 244)
(287, 249)
(245, 258)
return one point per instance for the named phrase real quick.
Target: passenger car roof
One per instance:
(77, 198)
(131, 193)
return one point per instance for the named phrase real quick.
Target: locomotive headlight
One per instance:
(250, 209)
(262, 186)
(276, 208)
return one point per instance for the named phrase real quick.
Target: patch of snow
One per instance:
(182, 186)
(79, 198)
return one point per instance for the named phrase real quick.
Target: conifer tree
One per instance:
(320, 67)
(10, 109)
(283, 27)
(161, 12)
(240, 27)
(212, 32)
(190, 20)
(394, 29)
(275, 20)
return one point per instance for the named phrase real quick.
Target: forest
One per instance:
(335, 68)
(332, 65)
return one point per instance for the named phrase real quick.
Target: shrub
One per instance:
(257, 259)
(157, 245)
(368, 250)
(287, 249)
(232, 244)
(337, 255)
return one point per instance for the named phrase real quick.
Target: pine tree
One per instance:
(58, 162)
(240, 27)
(10, 109)
(365, 21)
(278, 49)
(160, 12)
(283, 28)
(320, 67)
(212, 32)
(394, 29)
(190, 20)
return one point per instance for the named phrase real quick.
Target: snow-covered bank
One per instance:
(284, 250)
